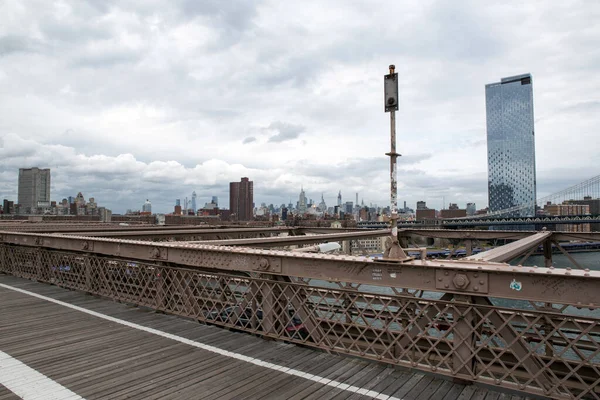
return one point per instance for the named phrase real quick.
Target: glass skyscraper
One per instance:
(511, 145)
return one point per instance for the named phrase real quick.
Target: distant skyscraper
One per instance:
(349, 207)
(511, 144)
(194, 201)
(339, 200)
(34, 187)
(322, 204)
(147, 207)
(178, 202)
(241, 199)
(215, 201)
(302, 202)
(471, 209)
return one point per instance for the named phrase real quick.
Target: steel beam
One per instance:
(278, 241)
(575, 287)
(465, 234)
(508, 252)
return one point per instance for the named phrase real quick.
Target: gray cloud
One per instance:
(128, 100)
(286, 131)
(14, 44)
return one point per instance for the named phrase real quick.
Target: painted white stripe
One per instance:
(29, 384)
(213, 349)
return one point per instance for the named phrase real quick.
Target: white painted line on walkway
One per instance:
(29, 384)
(213, 349)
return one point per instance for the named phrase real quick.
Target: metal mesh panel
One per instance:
(549, 350)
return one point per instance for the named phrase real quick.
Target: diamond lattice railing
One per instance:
(551, 350)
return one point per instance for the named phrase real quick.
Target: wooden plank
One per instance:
(394, 381)
(452, 393)
(241, 384)
(321, 365)
(6, 394)
(193, 383)
(262, 381)
(467, 393)
(361, 377)
(479, 394)
(414, 392)
(429, 391)
(354, 366)
(441, 391)
(408, 385)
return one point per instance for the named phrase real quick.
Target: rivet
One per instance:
(476, 288)
(440, 279)
(481, 282)
(446, 273)
(446, 286)
(475, 275)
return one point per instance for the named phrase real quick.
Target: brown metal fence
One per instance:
(545, 349)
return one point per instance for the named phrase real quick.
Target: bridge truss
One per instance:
(588, 188)
(532, 329)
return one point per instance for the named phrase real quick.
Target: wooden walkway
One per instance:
(119, 351)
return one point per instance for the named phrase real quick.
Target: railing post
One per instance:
(268, 304)
(469, 247)
(463, 343)
(87, 266)
(3, 259)
(547, 253)
(40, 271)
(160, 287)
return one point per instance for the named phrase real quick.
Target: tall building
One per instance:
(241, 199)
(147, 207)
(34, 187)
(471, 209)
(349, 207)
(302, 204)
(215, 200)
(511, 144)
(322, 204)
(194, 201)
(339, 199)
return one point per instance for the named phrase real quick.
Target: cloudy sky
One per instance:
(127, 100)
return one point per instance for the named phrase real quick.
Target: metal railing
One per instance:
(541, 347)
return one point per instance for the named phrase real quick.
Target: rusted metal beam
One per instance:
(279, 241)
(167, 232)
(489, 235)
(576, 287)
(508, 252)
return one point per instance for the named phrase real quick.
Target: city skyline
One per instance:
(137, 107)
